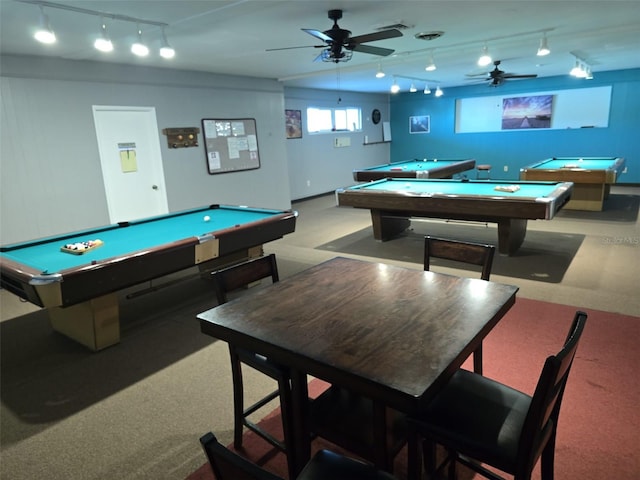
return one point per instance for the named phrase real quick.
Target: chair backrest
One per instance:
(466, 252)
(237, 276)
(542, 419)
(227, 465)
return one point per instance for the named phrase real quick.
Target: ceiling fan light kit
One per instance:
(338, 44)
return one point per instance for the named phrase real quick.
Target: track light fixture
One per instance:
(543, 49)
(395, 88)
(103, 43)
(139, 48)
(439, 92)
(44, 34)
(380, 73)
(581, 69)
(485, 58)
(166, 50)
(431, 65)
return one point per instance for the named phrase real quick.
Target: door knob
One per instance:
(155, 187)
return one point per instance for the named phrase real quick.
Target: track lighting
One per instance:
(139, 48)
(166, 51)
(427, 90)
(581, 69)
(439, 92)
(395, 88)
(485, 58)
(44, 34)
(543, 49)
(103, 42)
(379, 73)
(413, 88)
(431, 66)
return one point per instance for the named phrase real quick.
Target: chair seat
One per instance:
(347, 420)
(326, 465)
(479, 404)
(484, 167)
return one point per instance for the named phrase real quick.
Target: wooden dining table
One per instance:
(389, 333)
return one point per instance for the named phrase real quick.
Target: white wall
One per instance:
(316, 166)
(50, 175)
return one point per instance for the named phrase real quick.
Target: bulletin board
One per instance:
(230, 144)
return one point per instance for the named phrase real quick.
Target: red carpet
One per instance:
(599, 428)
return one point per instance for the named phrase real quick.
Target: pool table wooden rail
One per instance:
(391, 211)
(82, 302)
(591, 186)
(444, 168)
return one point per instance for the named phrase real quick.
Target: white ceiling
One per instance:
(232, 37)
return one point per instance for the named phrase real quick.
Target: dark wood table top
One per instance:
(391, 333)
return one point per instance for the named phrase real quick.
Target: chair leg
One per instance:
(238, 399)
(452, 467)
(547, 459)
(286, 412)
(414, 460)
(429, 454)
(477, 360)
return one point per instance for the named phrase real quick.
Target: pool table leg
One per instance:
(94, 323)
(511, 233)
(386, 225)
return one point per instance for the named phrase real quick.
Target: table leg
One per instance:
(94, 323)
(511, 233)
(386, 225)
(300, 422)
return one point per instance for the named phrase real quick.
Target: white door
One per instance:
(129, 146)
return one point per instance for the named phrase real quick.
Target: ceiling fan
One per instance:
(339, 45)
(497, 76)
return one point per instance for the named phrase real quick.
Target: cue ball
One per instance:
(207, 218)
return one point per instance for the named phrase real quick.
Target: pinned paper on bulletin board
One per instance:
(128, 161)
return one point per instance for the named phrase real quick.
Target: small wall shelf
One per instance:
(376, 143)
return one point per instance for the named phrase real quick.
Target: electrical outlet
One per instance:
(625, 170)
(506, 168)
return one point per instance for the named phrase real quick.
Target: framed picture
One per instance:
(527, 112)
(419, 124)
(293, 122)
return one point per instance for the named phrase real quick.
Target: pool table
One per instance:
(394, 201)
(591, 176)
(80, 290)
(425, 168)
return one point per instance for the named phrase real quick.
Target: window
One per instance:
(323, 120)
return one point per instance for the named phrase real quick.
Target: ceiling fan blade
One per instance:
(318, 34)
(510, 75)
(291, 48)
(372, 37)
(383, 52)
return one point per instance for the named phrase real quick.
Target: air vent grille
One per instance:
(428, 36)
(397, 26)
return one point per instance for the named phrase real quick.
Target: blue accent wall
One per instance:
(517, 149)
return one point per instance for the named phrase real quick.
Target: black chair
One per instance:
(230, 279)
(465, 252)
(324, 465)
(480, 421)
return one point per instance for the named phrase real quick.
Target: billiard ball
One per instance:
(207, 218)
